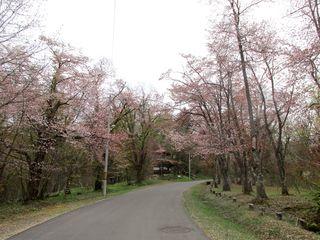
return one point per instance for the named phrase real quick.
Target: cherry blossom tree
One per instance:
(305, 48)
(64, 85)
(16, 73)
(141, 124)
(203, 97)
(278, 84)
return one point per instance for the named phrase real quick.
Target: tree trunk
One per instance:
(214, 177)
(67, 189)
(261, 191)
(127, 176)
(282, 174)
(43, 190)
(246, 184)
(35, 174)
(237, 173)
(243, 165)
(139, 174)
(223, 164)
(139, 170)
(2, 182)
(253, 129)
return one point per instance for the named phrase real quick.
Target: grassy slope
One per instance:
(298, 204)
(16, 217)
(222, 219)
(210, 219)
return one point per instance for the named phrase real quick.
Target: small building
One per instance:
(164, 163)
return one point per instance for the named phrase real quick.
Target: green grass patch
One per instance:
(213, 220)
(175, 178)
(182, 178)
(299, 204)
(7, 210)
(221, 218)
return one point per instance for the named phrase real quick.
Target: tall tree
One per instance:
(282, 81)
(140, 124)
(237, 10)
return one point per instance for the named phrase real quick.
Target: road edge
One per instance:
(69, 211)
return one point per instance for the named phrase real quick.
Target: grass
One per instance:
(182, 178)
(221, 218)
(16, 217)
(296, 205)
(174, 178)
(211, 219)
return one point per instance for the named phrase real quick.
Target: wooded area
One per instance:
(248, 112)
(252, 104)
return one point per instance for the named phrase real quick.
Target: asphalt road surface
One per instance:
(152, 213)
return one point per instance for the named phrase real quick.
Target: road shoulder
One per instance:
(223, 219)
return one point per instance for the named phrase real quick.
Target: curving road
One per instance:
(151, 213)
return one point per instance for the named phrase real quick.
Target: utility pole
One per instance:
(189, 166)
(106, 160)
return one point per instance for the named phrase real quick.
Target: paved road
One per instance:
(151, 213)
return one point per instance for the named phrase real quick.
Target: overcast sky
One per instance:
(149, 34)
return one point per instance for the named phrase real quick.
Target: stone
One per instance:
(279, 215)
(301, 223)
(251, 206)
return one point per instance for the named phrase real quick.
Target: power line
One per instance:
(114, 27)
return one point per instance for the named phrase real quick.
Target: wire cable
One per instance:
(114, 28)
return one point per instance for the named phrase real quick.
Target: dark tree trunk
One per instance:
(2, 182)
(224, 169)
(282, 174)
(235, 7)
(56, 186)
(127, 176)
(24, 190)
(43, 191)
(237, 173)
(139, 174)
(261, 192)
(98, 171)
(67, 189)
(218, 175)
(214, 178)
(243, 165)
(246, 184)
(139, 168)
(2, 167)
(35, 175)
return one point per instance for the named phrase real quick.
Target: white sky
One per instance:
(150, 34)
